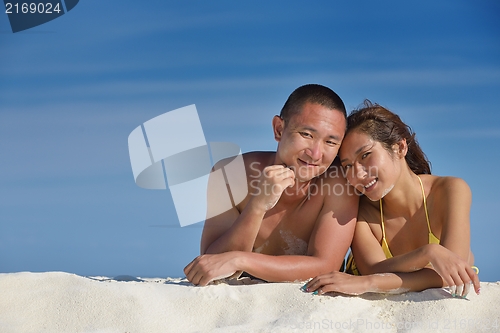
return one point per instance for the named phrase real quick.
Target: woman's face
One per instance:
(368, 166)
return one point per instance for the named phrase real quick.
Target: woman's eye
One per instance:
(365, 155)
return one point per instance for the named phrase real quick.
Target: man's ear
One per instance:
(400, 148)
(278, 127)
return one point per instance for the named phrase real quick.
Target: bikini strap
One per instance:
(382, 220)
(425, 205)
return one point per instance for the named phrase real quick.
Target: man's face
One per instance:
(310, 140)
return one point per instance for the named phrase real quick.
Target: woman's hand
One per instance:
(455, 272)
(338, 282)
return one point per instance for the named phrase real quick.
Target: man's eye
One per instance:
(305, 134)
(332, 143)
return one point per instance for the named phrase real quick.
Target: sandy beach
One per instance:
(62, 302)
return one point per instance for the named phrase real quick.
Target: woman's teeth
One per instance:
(371, 183)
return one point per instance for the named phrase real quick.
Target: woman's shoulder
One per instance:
(445, 185)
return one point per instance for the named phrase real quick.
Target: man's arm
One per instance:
(328, 245)
(231, 231)
(235, 231)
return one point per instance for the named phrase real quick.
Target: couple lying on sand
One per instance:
(408, 230)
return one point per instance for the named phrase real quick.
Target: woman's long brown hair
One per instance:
(387, 128)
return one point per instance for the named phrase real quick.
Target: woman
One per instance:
(413, 228)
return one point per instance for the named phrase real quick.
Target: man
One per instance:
(298, 218)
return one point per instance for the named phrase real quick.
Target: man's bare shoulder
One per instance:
(369, 211)
(256, 161)
(335, 191)
(254, 164)
(256, 157)
(334, 174)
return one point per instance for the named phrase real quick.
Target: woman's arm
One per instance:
(450, 258)
(415, 273)
(455, 199)
(454, 270)
(391, 283)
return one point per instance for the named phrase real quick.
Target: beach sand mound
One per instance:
(61, 302)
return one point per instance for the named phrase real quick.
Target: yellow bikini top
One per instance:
(432, 238)
(351, 267)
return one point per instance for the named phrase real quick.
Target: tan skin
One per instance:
(284, 234)
(373, 170)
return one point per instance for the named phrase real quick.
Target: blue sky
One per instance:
(74, 88)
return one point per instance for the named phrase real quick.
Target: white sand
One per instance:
(61, 302)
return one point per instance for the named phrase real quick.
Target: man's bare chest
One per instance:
(287, 230)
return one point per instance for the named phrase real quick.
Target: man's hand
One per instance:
(209, 267)
(267, 190)
(237, 228)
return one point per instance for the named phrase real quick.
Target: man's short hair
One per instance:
(312, 93)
